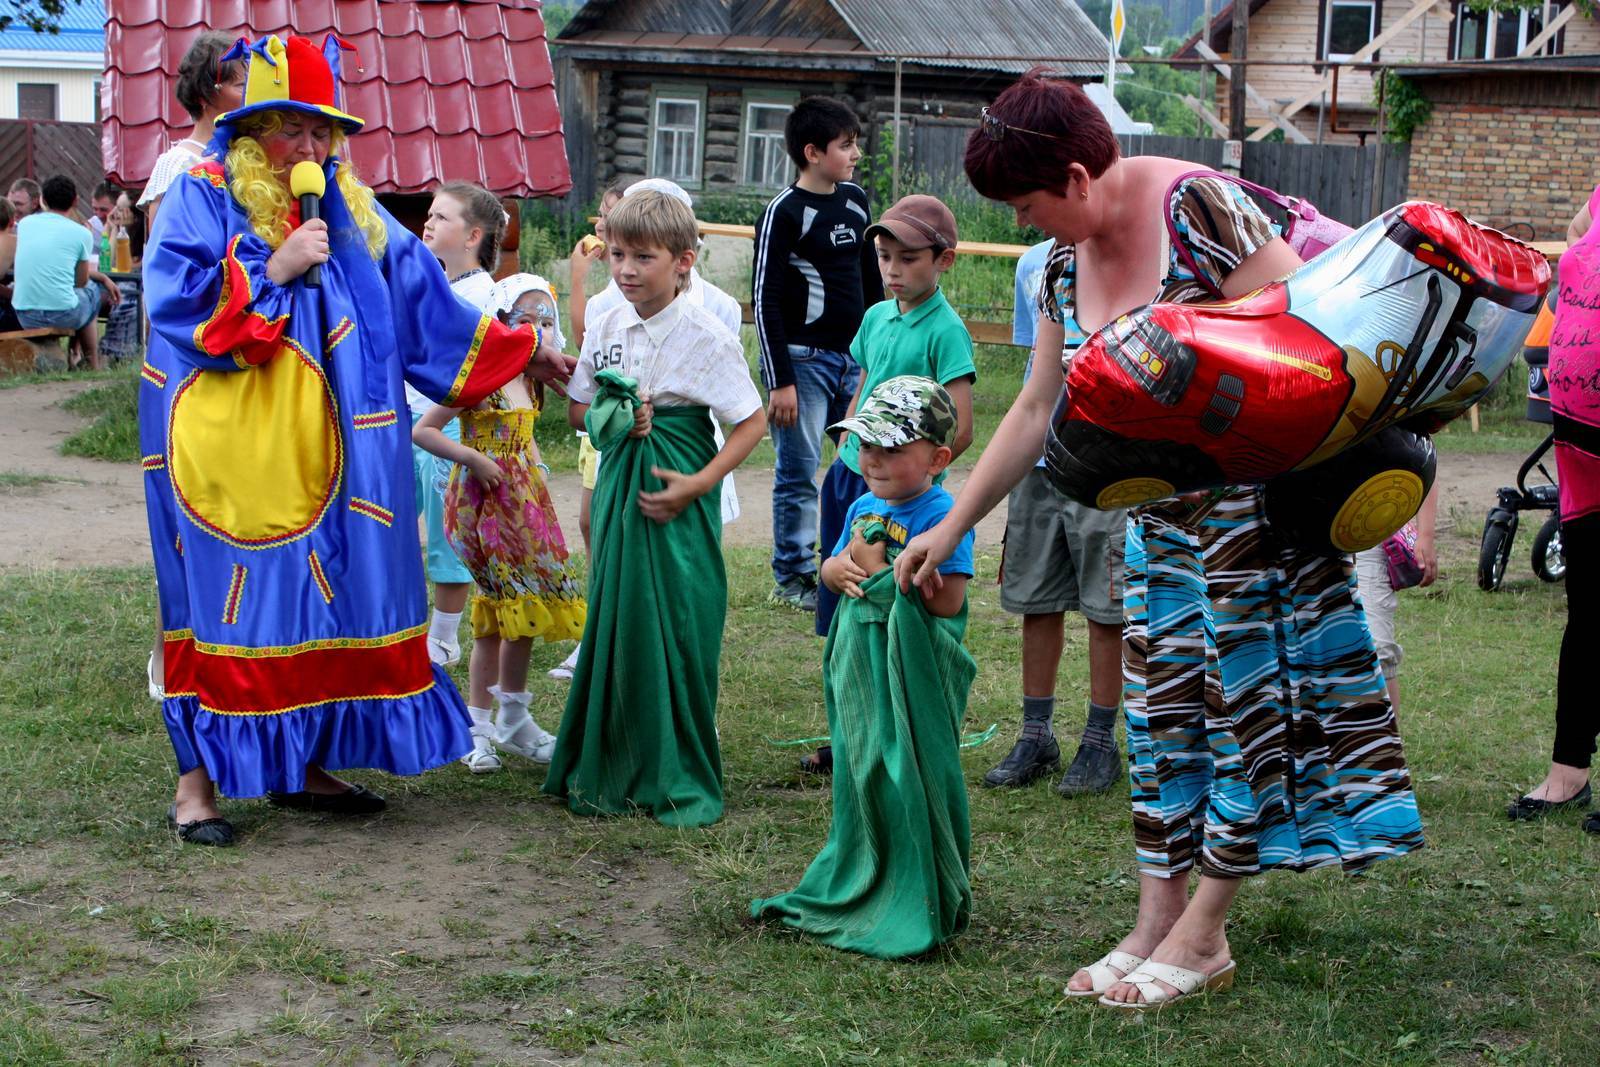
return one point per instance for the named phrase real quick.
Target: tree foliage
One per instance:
(40, 16)
(1404, 107)
(1151, 93)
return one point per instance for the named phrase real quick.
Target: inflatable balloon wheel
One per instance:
(1102, 469)
(1356, 499)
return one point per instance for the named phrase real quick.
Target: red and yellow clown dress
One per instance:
(277, 459)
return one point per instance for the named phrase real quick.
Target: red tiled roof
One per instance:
(459, 90)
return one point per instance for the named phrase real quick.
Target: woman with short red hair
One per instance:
(1258, 732)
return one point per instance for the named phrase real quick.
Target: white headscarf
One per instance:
(661, 185)
(508, 291)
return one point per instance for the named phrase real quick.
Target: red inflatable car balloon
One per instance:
(1403, 325)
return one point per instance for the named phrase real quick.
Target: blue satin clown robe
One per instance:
(277, 456)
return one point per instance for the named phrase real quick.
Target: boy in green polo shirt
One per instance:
(914, 332)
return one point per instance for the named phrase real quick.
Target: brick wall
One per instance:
(1505, 164)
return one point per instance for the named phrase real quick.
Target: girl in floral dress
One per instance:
(500, 521)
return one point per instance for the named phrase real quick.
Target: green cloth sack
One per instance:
(639, 735)
(891, 881)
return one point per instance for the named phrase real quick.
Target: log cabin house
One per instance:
(697, 90)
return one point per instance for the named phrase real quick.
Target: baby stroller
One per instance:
(1500, 528)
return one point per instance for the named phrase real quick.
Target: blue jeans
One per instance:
(86, 305)
(825, 382)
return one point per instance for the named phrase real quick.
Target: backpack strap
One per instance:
(1178, 244)
(1295, 208)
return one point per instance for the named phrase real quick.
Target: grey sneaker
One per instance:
(798, 593)
(1093, 770)
(1029, 760)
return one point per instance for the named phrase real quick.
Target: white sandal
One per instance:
(515, 730)
(482, 759)
(156, 689)
(1106, 972)
(1186, 982)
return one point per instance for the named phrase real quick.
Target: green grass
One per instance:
(113, 407)
(22, 381)
(17, 483)
(479, 923)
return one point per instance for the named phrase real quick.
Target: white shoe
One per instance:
(563, 670)
(1106, 972)
(156, 689)
(481, 760)
(1186, 982)
(443, 654)
(515, 730)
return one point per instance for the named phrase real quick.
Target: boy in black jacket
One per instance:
(814, 277)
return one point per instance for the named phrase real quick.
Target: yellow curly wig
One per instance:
(266, 197)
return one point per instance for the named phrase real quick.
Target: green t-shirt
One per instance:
(930, 340)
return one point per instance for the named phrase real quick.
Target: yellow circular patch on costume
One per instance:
(1131, 491)
(255, 455)
(1378, 507)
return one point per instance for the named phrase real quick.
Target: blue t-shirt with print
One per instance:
(1025, 307)
(906, 520)
(1025, 312)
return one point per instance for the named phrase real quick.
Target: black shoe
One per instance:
(1093, 770)
(819, 762)
(1591, 823)
(1029, 760)
(1525, 808)
(357, 800)
(217, 833)
(800, 593)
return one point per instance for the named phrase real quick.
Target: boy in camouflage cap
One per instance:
(905, 427)
(891, 880)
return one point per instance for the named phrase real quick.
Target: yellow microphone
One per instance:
(307, 184)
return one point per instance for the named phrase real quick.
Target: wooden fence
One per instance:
(1338, 179)
(41, 150)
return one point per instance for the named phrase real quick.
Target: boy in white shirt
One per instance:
(639, 734)
(696, 290)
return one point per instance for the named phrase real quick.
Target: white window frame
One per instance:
(766, 142)
(1523, 36)
(1327, 30)
(694, 132)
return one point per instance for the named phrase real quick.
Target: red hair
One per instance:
(1019, 163)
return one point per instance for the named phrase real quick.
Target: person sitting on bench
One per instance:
(55, 273)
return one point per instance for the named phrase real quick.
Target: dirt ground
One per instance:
(93, 513)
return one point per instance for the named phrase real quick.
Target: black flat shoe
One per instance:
(357, 800)
(1093, 770)
(1029, 760)
(218, 833)
(1591, 824)
(1525, 808)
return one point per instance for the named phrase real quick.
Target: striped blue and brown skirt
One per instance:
(1259, 733)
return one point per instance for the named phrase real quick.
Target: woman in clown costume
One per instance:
(292, 596)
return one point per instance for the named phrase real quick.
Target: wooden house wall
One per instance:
(1289, 31)
(622, 119)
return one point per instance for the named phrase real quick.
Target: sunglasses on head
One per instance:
(994, 128)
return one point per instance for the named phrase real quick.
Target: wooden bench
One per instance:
(30, 351)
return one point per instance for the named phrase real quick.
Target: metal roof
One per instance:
(938, 32)
(1046, 28)
(82, 29)
(449, 90)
